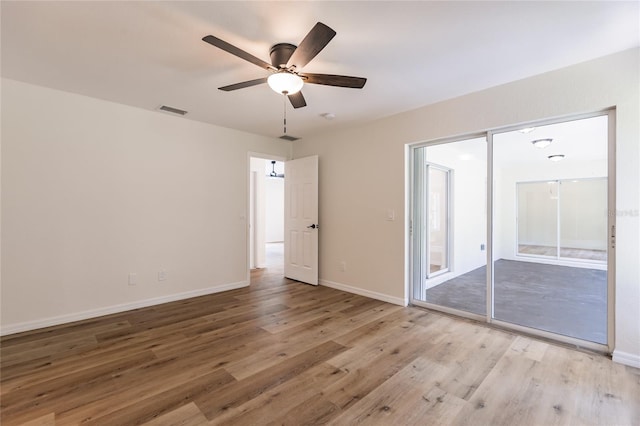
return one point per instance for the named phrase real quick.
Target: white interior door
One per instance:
(301, 220)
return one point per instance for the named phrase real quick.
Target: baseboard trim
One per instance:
(632, 360)
(362, 292)
(79, 316)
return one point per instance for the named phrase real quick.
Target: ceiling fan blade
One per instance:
(221, 44)
(319, 36)
(297, 100)
(335, 80)
(243, 84)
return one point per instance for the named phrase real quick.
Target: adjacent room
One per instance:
(550, 230)
(376, 212)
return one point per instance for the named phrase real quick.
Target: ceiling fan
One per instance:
(286, 62)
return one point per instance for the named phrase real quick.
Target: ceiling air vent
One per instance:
(172, 110)
(289, 138)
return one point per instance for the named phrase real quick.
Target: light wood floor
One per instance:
(281, 352)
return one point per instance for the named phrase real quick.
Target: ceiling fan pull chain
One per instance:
(284, 107)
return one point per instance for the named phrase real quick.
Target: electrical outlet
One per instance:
(133, 278)
(391, 215)
(162, 276)
(343, 266)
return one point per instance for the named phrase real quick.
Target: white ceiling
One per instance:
(149, 53)
(580, 141)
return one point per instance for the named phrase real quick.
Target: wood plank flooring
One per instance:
(281, 352)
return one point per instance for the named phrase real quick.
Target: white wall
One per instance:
(275, 210)
(93, 190)
(354, 199)
(274, 199)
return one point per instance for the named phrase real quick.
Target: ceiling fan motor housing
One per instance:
(280, 54)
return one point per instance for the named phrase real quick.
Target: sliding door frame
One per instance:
(488, 318)
(416, 225)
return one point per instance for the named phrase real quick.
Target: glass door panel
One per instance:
(450, 219)
(548, 215)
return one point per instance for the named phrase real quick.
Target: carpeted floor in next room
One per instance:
(561, 299)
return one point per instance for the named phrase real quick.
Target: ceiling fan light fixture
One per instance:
(556, 157)
(542, 143)
(284, 82)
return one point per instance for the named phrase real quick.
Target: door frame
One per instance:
(415, 267)
(247, 215)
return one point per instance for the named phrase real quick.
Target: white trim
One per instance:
(78, 316)
(264, 156)
(457, 312)
(632, 360)
(366, 293)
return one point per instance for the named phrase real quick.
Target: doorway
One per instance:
(266, 206)
(538, 258)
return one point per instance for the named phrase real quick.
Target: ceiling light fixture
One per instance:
(556, 157)
(273, 171)
(542, 143)
(284, 82)
(527, 130)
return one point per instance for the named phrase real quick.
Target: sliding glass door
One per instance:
(552, 276)
(450, 220)
(546, 265)
(563, 219)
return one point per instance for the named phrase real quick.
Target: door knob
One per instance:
(313, 226)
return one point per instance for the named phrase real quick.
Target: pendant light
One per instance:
(273, 171)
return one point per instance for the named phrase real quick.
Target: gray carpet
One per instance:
(560, 299)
